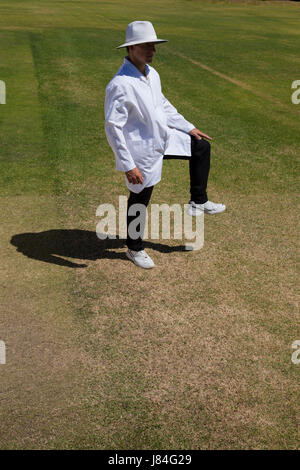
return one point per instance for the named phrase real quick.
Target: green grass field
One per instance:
(196, 353)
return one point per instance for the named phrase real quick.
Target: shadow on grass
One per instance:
(51, 245)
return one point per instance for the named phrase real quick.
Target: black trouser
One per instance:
(137, 198)
(199, 164)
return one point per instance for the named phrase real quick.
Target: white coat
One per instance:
(141, 125)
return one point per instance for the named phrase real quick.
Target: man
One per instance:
(142, 128)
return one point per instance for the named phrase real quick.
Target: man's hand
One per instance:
(134, 176)
(198, 134)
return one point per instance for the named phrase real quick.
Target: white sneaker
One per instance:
(140, 258)
(208, 208)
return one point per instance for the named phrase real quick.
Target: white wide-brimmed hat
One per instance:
(139, 32)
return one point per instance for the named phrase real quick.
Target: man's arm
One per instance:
(176, 120)
(116, 115)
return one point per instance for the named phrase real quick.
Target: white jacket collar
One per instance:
(134, 70)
